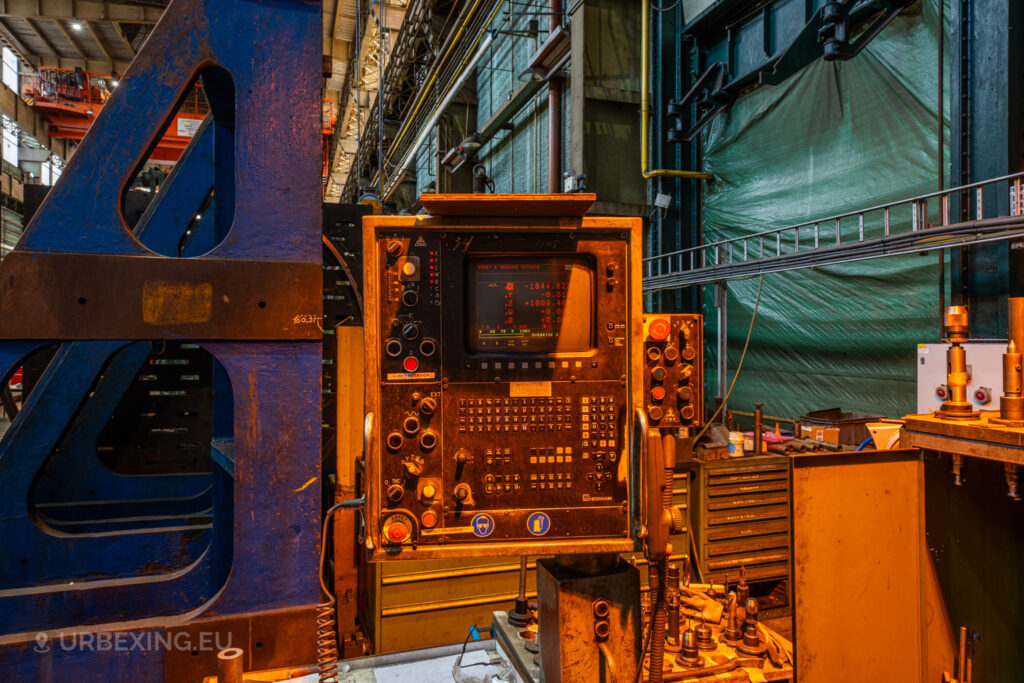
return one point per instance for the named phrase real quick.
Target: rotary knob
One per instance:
(410, 331)
(412, 469)
(395, 493)
(462, 492)
(395, 248)
(428, 406)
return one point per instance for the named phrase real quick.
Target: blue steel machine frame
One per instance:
(246, 289)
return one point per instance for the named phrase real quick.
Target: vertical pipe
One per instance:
(554, 110)
(721, 299)
(1016, 331)
(380, 102)
(758, 428)
(941, 154)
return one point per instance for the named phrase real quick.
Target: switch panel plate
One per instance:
(673, 358)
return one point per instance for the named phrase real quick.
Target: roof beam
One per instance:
(83, 10)
(96, 37)
(67, 34)
(42, 38)
(124, 40)
(23, 53)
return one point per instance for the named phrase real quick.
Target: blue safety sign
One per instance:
(483, 525)
(538, 524)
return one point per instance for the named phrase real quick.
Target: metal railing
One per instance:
(989, 210)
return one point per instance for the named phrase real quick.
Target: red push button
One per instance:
(428, 519)
(411, 364)
(398, 532)
(658, 393)
(659, 329)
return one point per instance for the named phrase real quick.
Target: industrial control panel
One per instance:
(500, 351)
(673, 350)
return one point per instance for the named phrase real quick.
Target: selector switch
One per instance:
(461, 456)
(462, 492)
(428, 406)
(395, 493)
(395, 248)
(410, 331)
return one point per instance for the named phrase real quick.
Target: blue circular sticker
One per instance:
(538, 524)
(483, 525)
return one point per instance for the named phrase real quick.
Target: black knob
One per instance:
(671, 354)
(395, 248)
(411, 425)
(395, 493)
(393, 348)
(462, 492)
(428, 406)
(428, 440)
(655, 413)
(658, 373)
(410, 298)
(395, 441)
(410, 331)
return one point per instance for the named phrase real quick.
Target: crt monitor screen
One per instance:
(530, 304)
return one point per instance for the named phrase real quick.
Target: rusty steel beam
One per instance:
(82, 10)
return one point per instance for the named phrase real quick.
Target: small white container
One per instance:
(736, 444)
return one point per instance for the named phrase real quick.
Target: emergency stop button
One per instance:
(659, 329)
(411, 364)
(398, 532)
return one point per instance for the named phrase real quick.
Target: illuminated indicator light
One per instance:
(429, 491)
(408, 268)
(398, 532)
(411, 364)
(428, 519)
(659, 329)
(658, 393)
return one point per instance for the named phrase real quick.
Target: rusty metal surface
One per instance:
(505, 205)
(978, 438)
(859, 559)
(71, 296)
(566, 611)
(270, 640)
